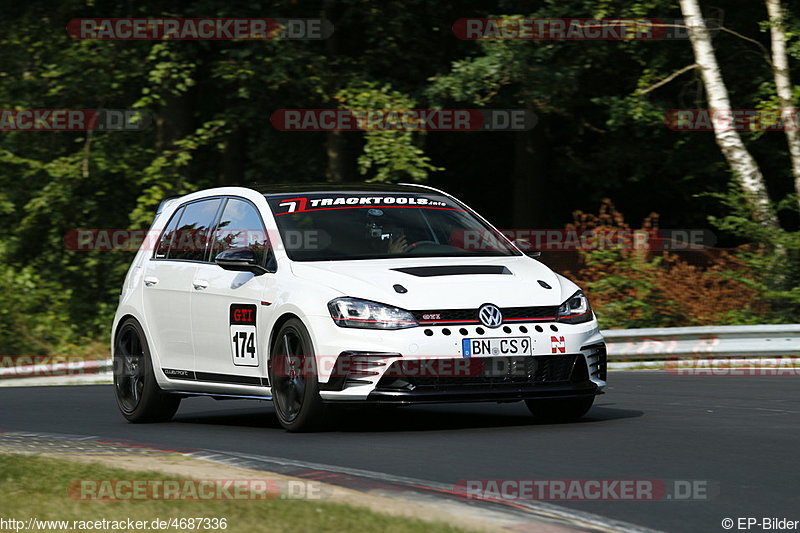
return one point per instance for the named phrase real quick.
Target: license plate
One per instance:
(489, 347)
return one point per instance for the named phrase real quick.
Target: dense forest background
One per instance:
(600, 155)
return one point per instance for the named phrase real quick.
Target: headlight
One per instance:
(575, 310)
(355, 313)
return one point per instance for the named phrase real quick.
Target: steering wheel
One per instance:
(415, 244)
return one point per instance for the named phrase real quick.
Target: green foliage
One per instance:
(164, 176)
(34, 313)
(391, 155)
(600, 133)
(631, 293)
(772, 256)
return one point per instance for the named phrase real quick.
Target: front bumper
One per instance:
(488, 379)
(366, 365)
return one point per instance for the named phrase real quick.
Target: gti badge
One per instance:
(490, 316)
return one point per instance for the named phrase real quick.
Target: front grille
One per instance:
(445, 316)
(485, 372)
(542, 312)
(470, 316)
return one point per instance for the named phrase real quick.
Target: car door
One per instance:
(228, 306)
(168, 279)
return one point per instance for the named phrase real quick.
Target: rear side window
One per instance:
(168, 236)
(240, 226)
(194, 229)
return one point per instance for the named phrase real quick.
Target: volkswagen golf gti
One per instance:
(317, 296)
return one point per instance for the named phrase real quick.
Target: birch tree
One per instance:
(783, 85)
(744, 167)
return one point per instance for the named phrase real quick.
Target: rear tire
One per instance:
(293, 378)
(560, 409)
(139, 397)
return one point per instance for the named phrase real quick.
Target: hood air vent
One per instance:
(429, 271)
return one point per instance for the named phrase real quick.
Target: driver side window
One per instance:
(240, 226)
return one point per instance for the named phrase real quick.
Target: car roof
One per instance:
(283, 189)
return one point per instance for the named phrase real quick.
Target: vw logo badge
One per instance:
(490, 316)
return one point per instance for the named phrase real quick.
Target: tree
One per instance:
(783, 86)
(744, 167)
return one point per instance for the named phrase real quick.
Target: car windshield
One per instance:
(342, 226)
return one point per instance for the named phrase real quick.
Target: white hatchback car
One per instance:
(322, 294)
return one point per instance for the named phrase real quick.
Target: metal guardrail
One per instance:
(704, 341)
(71, 368)
(649, 344)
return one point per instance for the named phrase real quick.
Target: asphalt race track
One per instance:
(740, 435)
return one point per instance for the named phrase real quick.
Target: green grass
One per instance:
(32, 486)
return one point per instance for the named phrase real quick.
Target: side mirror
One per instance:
(240, 260)
(525, 247)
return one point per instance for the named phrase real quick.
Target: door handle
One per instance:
(200, 284)
(149, 281)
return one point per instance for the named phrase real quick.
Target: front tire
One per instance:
(560, 409)
(293, 377)
(139, 397)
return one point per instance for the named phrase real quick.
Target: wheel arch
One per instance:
(154, 355)
(279, 322)
(118, 326)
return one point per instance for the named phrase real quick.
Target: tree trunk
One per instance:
(173, 121)
(528, 169)
(742, 164)
(336, 150)
(335, 143)
(233, 158)
(783, 85)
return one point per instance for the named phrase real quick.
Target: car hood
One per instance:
(444, 286)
